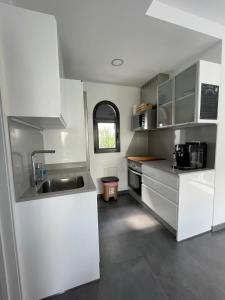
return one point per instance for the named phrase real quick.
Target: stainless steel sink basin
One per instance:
(56, 185)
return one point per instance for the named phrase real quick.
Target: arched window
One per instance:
(106, 121)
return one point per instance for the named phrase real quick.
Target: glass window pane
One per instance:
(165, 92)
(106, 112)
(185, 82)
(185, 110)
(107, 135)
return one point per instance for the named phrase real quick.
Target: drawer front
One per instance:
(160, 205)
(162, 176)
(166, 191)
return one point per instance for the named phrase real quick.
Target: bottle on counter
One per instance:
(174, 160)
(40, 171)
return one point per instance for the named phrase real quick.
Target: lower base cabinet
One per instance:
(58, 243)
(160, 205)
(187, 207)
(196, 194)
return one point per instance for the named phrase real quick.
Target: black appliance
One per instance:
(134, 177)
(191, 155)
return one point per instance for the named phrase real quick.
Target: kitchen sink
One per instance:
(56, 185)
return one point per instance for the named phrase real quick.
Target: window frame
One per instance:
(102, 120)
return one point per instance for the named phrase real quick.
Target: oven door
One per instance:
(134, 181)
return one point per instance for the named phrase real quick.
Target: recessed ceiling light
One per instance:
(117, 62)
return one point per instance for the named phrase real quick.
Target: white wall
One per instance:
(219, 199)
(69, 143)
(212, 54)
(7, 2)
(107, 164)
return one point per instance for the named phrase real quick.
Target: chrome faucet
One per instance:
(34, 181)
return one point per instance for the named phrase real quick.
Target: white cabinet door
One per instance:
(208, 74)
(164, 208)
(58, 243)
(163, 189)
(195, 203)
(167, 178)
(69, 143)
(29, 62)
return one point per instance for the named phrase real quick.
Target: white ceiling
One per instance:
(93, 32)
(213, 10)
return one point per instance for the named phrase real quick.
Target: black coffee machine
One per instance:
(191, 155)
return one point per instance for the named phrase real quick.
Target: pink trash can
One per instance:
(110, 187)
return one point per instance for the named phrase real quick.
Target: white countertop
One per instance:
(166, 165)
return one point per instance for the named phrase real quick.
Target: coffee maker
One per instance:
(191, 155)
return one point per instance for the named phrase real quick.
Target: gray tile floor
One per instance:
(141, 260)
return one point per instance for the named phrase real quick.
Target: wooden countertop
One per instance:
(143, 158)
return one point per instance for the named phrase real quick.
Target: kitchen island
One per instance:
(58, 240)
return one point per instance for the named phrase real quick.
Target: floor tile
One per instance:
(141, 260)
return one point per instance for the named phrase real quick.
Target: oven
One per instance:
(134, 177)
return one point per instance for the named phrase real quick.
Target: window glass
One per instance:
(107, 135)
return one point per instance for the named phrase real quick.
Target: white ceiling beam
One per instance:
(181, 18)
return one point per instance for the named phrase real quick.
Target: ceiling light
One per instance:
(117, 62)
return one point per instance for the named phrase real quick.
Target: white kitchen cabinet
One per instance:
(69, 143)
(208, 73)
(166, 178)
(30, 66)
(164, 189)
(184, 200)
(191, 97)
(163, 207)
(196, 193)
(58, 243)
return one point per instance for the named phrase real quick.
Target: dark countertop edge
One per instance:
(55, 194)
(150, 157)
(30, 194)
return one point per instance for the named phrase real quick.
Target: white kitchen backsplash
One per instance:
(24, 140)
(161, 142)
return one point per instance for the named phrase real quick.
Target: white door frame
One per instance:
(3, 283)
(9, 269)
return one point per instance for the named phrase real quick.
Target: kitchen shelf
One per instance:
(183, 125)
(166, 104)
(185, 97)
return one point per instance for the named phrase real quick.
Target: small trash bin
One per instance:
(110, 187)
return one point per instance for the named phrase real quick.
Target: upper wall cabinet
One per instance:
(165, 104)
(30, 66)
(69, 143)
(195, 94)
(185, 87)
(149, 89)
